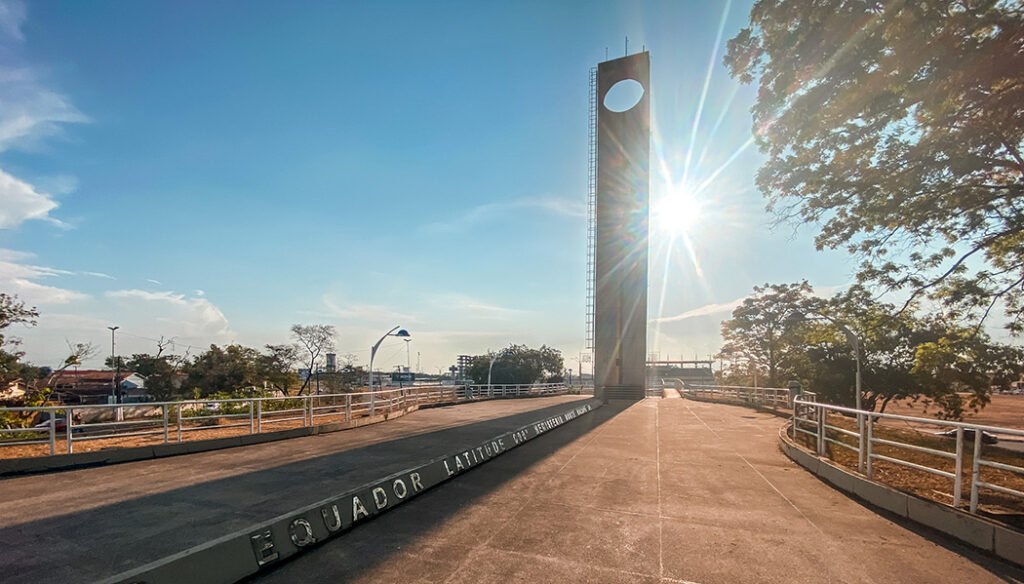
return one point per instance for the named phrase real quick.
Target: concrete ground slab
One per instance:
(740, 512)
(88, 524)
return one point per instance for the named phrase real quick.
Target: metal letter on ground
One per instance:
(620, 303)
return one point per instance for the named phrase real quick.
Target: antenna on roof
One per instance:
(627, 46)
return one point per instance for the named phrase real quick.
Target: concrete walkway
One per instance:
(657, 491)
(85, 525)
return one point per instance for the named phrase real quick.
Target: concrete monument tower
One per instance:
(620, 252)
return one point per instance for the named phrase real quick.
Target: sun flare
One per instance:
(677, 212)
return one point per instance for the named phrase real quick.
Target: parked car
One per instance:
(62, 424)
(986, 437)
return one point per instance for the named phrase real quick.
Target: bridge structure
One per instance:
(549, 489)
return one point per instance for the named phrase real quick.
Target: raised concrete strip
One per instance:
(245, 552)
(979, 532)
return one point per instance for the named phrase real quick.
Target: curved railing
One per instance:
(165, 422)
(856, 439)
(758, 396)
(991, 469)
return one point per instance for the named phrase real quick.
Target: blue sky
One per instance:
(216, 172)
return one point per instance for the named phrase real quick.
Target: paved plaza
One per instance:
(655, 491)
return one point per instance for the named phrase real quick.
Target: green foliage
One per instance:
(757, 340)
(13, 311)
(232, 368)
(275, 366)
(897, 127)
(948, 368)
(163, 380)
(519, 365)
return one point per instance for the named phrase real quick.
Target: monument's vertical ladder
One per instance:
(591, 202)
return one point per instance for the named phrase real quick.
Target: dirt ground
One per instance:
(1005, 508)
(1006, 411)
(213, 428)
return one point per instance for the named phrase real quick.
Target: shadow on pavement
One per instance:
(363, 553)
(87, 545)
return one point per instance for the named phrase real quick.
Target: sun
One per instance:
(677, 212)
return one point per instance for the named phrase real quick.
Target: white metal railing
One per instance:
(171, 421)
(812, 419)
(760, 396)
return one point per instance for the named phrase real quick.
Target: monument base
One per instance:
(627, 392)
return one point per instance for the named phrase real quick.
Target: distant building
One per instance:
(89, 386)
(14, 390)
(464, 362)
(697, 372)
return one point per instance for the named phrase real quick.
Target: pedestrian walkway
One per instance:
(89, 524)
(669, 491)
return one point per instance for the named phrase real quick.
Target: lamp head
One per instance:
(402, 333)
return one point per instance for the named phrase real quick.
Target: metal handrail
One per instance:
(757, 395)
(159, 417)
(807, 413)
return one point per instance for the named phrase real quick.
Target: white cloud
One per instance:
(728, 307)
(29, 112)
(365, 312)
(22, 202)
(474, 308)
(177, 315)
(21, 278)
(491, 211)
(706, 310)
(157, 282)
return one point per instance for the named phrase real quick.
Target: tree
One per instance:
(316, 339)
(758, 336)
(77, 354)
(163, 381)
(898, 128)
(275, 366)
(223, 370)
(13, 311)
(928, 358)
(519, 365)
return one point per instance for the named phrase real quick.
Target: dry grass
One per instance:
(924, 484)
(192, 431)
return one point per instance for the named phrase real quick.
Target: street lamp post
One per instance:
(373, 353)
(491, 366)
(854, 341)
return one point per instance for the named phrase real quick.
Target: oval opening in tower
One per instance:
(624, 95)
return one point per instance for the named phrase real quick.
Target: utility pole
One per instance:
(113, 363)
(408, 361)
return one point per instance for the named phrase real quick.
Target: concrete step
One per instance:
(626, 392)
